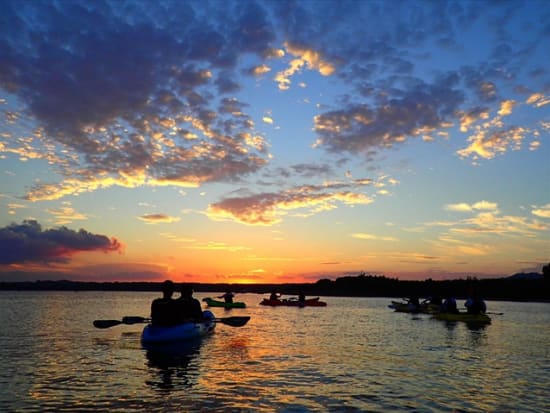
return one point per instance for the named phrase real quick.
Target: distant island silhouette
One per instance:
(518, 287)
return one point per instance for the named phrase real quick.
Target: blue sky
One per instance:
(273, 141)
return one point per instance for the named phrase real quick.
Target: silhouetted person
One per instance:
(474, 304)
(414, 304)
(227, 297)
(435, 300)
(274, 296)
(164, 310)
(189, 308)
(449, 305)
(301, 297)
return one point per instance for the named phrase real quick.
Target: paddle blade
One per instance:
(233, 321)
(106, 323)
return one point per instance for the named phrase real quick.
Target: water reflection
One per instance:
(352, 356)
(478, 334)
(451, 325)
(171, 365)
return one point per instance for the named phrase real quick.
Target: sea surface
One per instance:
(355, 355)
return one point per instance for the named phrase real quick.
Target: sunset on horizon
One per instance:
(273, 141)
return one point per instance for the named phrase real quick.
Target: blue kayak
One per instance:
(179, 333)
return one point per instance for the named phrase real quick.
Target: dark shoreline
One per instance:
(520, 287)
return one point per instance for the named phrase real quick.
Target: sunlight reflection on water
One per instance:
(353, 355)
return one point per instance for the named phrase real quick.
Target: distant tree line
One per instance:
(519, 287)
(528, 288)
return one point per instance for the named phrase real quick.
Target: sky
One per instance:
(273, 141)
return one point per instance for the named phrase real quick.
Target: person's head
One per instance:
(167, 288)
(186, 290)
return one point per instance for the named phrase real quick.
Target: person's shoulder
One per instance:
(163, 300)
(159, 302)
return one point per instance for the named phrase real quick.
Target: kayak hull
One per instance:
(465, 317)
(312, 302)
(215, 303)
(179, 333)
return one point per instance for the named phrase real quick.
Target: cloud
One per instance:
(127, 95)
(28, 243)
(476, 250)
(361, 128)
(486, 231)
(506, 107)
(542, 211)
(66, 214)
(304, 57)
(488, 144)
(113, 272)
(260, 70)
(487, 90)
(129, 271)
(362, 235)
(119, 93)
(312, 170)
(479, 206)
(158, 218)
(490, 135)
(538, 100)
(13, 207)
(269, 208)
(216, 246)
(492, 222)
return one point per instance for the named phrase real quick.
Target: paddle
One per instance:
(125, 320)
(235, 321)
(106, 323)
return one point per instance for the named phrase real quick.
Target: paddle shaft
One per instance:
(236, 321)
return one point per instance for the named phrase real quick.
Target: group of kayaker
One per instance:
(168, 311)
(474, 304)
(275, 296)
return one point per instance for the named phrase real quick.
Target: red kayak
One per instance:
(310, 302)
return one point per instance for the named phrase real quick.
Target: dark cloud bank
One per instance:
(29, 243)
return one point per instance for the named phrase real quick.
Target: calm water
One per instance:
(355, 355)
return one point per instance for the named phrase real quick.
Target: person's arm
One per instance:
(158, 312)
